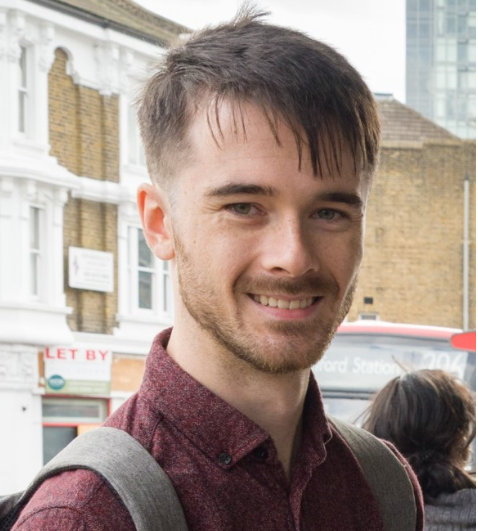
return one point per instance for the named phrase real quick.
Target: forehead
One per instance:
(238, 149)
(218, 131)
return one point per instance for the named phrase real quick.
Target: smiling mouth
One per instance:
(284, 304)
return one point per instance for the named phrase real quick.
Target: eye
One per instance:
(242, 209)
(328, 214)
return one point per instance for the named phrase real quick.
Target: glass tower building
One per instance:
(441, 63)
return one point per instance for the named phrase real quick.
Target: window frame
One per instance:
(23, 91)
(135, 151)
(36, 254)
(161, 289)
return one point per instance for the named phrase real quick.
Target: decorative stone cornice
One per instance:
(17, 32)
(107, 60)
(18, 367)
(102, 191)
(46, 46)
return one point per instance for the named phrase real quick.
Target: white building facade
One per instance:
(108, 50)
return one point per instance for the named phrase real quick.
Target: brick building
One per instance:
(81, 296)
(418, 267)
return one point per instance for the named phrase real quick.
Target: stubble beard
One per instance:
(295, 352)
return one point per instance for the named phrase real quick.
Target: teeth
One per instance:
(282, 303)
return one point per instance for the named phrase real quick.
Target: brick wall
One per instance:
(84, 136)
(413, 261)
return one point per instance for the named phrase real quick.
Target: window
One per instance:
(35, 250)
(135, 145)
(425, 54)
(462, 52)
(472, 79)
(412, 29)
(461, 109)
(472, 25)
(451, 24)
(446, 77)
(64, 419)
(451, 106)
(150, 287)
(462, 79)
(424, 29)
(167, 301)
(472, 51)
(441, 106)
(462, 25)
(441, 50)
(68, 411)
(22, 91)
(145, 264)
(446, 50)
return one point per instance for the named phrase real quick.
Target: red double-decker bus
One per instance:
(365, 355)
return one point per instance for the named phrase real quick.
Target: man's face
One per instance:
(266, 256)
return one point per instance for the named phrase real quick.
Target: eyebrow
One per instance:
(238, 189)
(347, 198)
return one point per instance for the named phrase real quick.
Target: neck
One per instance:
(273, 401)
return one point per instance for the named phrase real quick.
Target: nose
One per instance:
(290, 250)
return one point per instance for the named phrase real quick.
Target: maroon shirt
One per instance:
(223, 466)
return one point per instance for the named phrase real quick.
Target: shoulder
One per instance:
(389, 475)
(138, 417)
(78, 500)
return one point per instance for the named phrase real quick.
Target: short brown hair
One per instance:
(429, 416)
(288, 75)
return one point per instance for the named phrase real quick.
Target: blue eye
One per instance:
(327, 214)
(242, 209)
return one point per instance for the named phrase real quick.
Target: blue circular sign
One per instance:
(56, 382)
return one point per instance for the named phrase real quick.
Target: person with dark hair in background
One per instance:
(429, 416)
(261, 145)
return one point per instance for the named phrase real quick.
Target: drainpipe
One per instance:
(466, 252)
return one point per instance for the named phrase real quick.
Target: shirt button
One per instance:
(262, 453)
(225, 459)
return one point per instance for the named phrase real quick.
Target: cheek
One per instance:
(345, 259)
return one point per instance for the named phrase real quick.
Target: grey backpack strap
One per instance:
(386, 475)
(130, 470)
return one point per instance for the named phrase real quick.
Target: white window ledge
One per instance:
(101, 191)
(34, 324)
(132, 327)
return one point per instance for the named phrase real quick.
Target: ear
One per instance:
(154, 211)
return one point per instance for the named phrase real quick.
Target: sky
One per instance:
(370, 33)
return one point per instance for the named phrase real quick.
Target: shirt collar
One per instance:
(214, 426)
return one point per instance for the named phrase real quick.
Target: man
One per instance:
(261, 144)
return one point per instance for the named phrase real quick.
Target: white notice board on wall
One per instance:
(90, 270)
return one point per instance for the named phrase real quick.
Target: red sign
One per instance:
(464, 341)
(72, 354)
